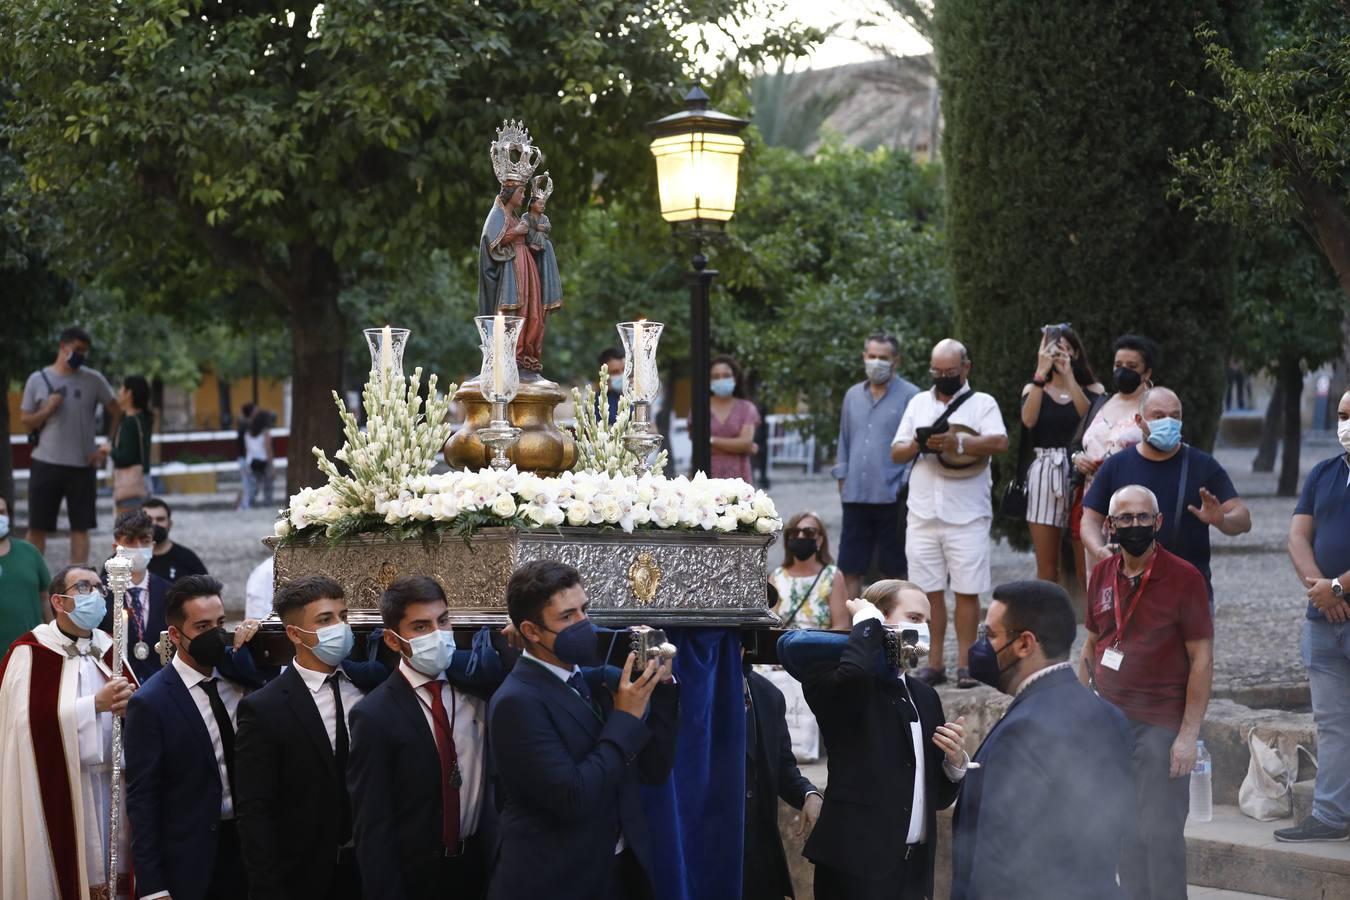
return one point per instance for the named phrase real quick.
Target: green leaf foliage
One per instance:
(1059, 123)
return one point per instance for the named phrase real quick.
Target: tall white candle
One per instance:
(638, 356)
(387, 348)
(499, 354)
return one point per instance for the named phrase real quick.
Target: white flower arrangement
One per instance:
(389, 486)
(600, 443)
(464, 501)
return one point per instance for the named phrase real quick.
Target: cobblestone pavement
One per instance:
(1260, 606)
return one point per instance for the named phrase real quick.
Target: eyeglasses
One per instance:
(945, 373)
(811, 533)
(1125, 520)
(85, 587)
(982, 632)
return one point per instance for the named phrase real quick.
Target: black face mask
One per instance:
(802, 548)
(1127, 381)
(208, 648)
(1135, 539)
(947, 385)
(161, 534)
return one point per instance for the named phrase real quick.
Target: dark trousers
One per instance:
(1153, 860)
(909, 882)
(873, 531)
(630, 880)
(228, 881)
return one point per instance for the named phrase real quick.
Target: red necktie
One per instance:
(445, 747)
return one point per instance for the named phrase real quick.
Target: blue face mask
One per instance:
(1164, 434)
(4, 527)
(429, 653)
(616, 384)
(89, 610)
(575, 645)
(335, 642)
(982, 661)
(723, 387)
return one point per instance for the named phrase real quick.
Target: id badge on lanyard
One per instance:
(1113, 657)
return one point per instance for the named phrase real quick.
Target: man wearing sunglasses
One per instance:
(1150, 651)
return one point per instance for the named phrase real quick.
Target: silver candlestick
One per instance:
(500, 435)
(642, 438)
(119, 580)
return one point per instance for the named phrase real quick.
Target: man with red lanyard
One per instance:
(1150, 651)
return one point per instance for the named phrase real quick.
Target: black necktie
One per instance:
(224, 725)
(340, 755)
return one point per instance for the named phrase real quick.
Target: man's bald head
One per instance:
(952, 351)
(1159, 403)
(1133, 498)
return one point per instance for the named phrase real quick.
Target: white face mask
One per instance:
(140, 557)
(429, 653)
(1343, 433)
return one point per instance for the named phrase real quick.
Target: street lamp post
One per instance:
(697, 162)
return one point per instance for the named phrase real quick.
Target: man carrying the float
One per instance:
(57, 702)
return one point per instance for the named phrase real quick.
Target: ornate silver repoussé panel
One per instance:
(654, 577)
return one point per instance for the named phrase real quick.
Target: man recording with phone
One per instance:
(951, 431)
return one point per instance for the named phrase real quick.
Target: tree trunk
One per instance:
(1270, 430)
(318, 333)
(1329, 224)
(1291, 385)
(7, 457)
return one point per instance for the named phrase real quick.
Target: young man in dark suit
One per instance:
(1045, 814)
(771, 772)
(416, 773)
(569, 752)
(292, 750)
(893, 763)
(145, 599)
(179, 745)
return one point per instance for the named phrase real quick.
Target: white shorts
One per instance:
(936, 550)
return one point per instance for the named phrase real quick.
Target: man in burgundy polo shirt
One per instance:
(1150, 651)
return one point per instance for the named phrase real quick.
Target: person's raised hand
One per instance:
(513, 637)
(951, 740)
(1210, 511)
(632, 696)
(245, 632)
(113, 697)
(810, 813)
(1045, 359)
(858, 605)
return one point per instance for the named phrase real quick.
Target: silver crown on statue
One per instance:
(542, 187)
(514, 156)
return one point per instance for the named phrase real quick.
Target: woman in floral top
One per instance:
(810, 587)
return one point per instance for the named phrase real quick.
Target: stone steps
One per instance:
(1236, 853)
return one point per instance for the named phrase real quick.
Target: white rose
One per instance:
(745, 514)
(282, 528)
(610, 511)
(642, 514)
(504, 506)
(763, 505)
(578, 513)
(670, 517)
(725, 523)
(767, 525)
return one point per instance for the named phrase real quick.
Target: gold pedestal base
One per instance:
(542, 447)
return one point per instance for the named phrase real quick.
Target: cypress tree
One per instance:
(1060, 117)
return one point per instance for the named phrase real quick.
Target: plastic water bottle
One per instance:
(1202, 786)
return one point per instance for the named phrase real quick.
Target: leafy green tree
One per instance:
(197, 152)
(1288, 118)
(1058, 126)
(1286, 296)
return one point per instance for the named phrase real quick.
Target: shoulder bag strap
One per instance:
(805, 597)
(1181, 495)
(1098, 401)
(951, 408)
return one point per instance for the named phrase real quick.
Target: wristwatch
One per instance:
(961, 444)
(1038, 381)
(1336, 589)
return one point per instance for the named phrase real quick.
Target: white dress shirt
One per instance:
(230, 695)
(317, 682)
(469, 729)
(934, 494)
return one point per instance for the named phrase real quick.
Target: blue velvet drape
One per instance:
(697, 818)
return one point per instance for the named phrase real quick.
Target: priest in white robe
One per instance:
(57, 702)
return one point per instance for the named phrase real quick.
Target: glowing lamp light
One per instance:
(697, 162)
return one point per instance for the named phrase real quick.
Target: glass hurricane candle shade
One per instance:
(640, 378)
(499, 334)
(386, 348)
